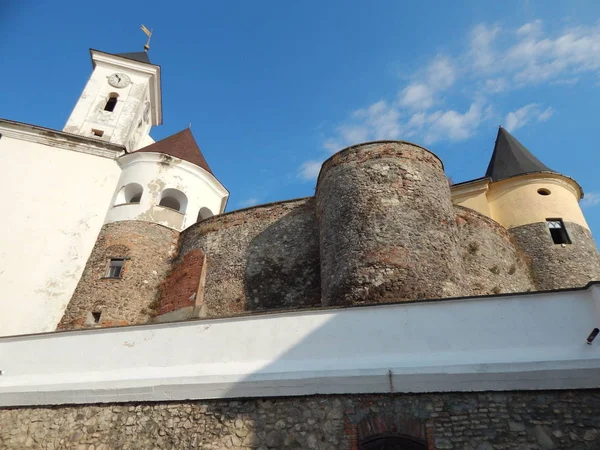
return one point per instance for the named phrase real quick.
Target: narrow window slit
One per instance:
(96, 315)
(115, 268)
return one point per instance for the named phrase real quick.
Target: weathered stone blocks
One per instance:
(148, 250)
(491, 261)
(262, 258)
(556, 266)
(564, 420)
(387, 226)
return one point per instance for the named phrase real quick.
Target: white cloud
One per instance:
(481, 53)
(310, 170)
(494, 62)
(454, 125)
(416, 96)
(248, 202)
(531, 28)
(590, 199)
(526, 114)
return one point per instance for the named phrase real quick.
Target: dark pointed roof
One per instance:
(511, 158)
(136, 56)
(181, 145)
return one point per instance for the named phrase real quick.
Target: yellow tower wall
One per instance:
(516, 201)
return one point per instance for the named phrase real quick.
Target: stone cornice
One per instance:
(60, 139)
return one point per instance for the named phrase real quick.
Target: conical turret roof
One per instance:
(181, 145)
(511, 158)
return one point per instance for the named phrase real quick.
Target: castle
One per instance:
(121, 230)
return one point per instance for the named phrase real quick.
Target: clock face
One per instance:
(119, 80)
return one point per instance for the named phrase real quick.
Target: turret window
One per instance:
(130, 193)
(174, 199)
(111, 102)
(204, 213)
(558, 231)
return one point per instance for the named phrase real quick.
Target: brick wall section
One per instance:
(492, 262)
(387, 226)
(180, 287)
(132, 299)
(555, 266)
(563, 420)
(260, 258)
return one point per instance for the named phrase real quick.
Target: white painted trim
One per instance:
(534, 341)
(48, 137)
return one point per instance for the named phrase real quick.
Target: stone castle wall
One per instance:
(387, 226)
(148, 250)
(556, 266)
(263, 258)
(491, 261)
(568, 420)
(381, 228)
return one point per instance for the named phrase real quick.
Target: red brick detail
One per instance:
(429, 435)
(178, 289)
(351, 430)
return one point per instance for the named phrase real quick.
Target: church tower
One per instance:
(120, 102)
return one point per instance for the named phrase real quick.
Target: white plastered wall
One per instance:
(119, 126)
(157, 172)
(54, 202)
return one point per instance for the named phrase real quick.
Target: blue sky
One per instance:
(272, 88)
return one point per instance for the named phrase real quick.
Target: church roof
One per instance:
(136, 56)
(511, 158)
(181, 145)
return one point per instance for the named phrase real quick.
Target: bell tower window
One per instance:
(112, 102)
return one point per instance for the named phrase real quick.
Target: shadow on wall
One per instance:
(282, 264)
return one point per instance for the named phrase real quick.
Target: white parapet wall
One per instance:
(529, 341)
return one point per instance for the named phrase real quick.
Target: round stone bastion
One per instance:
(387, 226)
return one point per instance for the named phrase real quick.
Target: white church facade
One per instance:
(84, 176)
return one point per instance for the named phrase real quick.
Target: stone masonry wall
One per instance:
(133, 298)
(554, 266)
(387, 226)
(568, 420)
(260, 258)
(492, 263)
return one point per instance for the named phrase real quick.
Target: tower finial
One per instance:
(149, 34)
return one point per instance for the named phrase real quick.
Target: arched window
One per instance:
(130, 193)
(112, 102)
(174, 199)
(204, 213)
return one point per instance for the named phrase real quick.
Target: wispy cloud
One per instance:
(590, 199)
(310, 170)
(526, 114)
(494, 62)
(248, 202)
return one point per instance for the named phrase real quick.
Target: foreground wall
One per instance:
(467, 421)
(56, 190)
